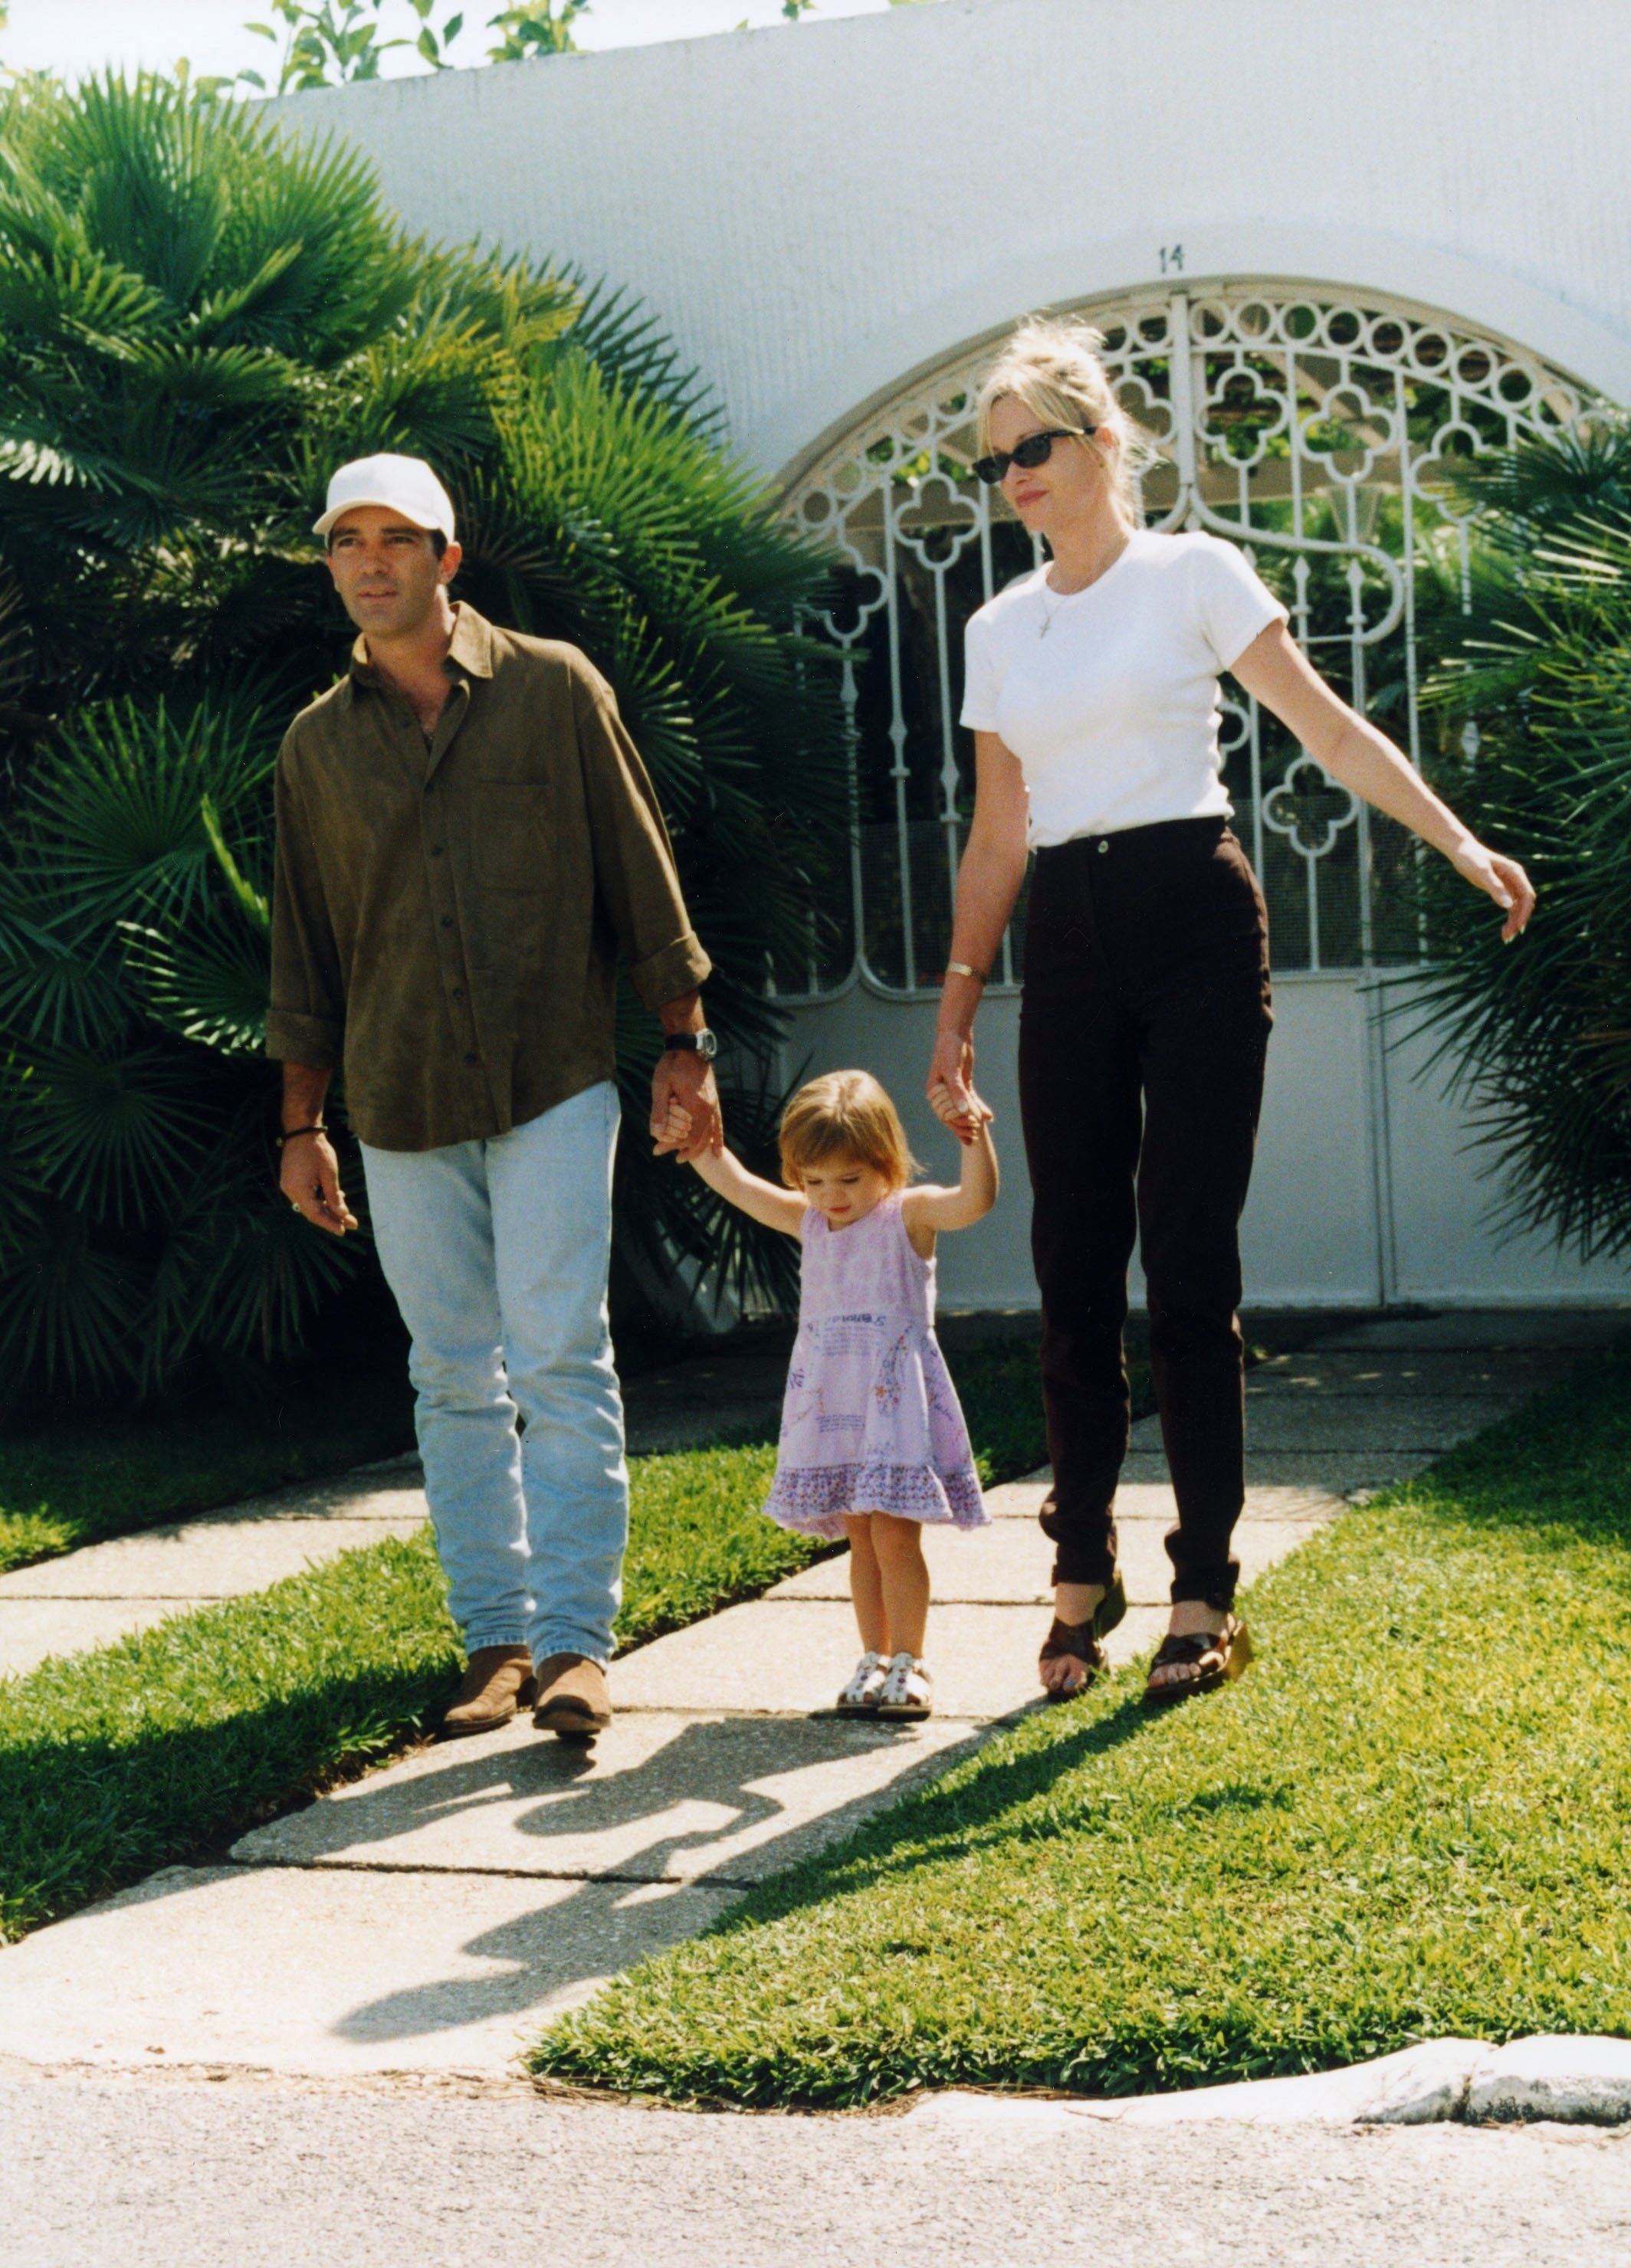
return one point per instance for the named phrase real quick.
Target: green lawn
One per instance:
(1411, 1819)
(80, 1483)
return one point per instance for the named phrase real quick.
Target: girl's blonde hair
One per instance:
(846, 1115)
(1052, 366)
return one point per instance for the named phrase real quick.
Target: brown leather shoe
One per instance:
(573, 1703)
(497, 1683)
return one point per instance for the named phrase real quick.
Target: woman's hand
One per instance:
(1503, 879)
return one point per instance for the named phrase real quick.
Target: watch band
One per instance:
(701, 1043)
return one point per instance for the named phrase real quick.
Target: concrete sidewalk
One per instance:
(428, 1918)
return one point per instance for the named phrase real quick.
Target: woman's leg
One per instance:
(904, 1580)
(1080, 1107)
(866, 1583)
(1202, 1051)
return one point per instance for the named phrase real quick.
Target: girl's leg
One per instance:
(866, 1584)
(904, 1572)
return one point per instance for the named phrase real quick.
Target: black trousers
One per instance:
(1143, 1029)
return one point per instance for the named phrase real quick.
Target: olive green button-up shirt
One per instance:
(447, 918)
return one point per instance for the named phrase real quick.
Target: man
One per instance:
(466, 837)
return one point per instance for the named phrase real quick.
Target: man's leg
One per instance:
(550, 1182)
(433, 1229)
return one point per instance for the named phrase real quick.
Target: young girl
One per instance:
(873, 1443)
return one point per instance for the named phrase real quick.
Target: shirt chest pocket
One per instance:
(514, 837)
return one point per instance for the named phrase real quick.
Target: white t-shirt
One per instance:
(1109, 696)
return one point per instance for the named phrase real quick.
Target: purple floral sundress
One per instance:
(871, 1421)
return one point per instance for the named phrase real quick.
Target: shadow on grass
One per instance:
(953, 1817)
(85, 1813)
(1561, 1463)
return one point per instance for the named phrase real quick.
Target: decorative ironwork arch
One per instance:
(1313, 429)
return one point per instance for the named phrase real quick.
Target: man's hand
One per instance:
(310, 1180)
(684, 1081)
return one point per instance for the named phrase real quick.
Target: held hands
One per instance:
(1503, 879)
(966, 1119)
(950, 1088)
(310, 1179)
(685, 1118)
(675, 1132)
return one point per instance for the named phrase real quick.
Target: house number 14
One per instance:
(1172, 260)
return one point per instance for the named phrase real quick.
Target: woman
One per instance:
(1092, 691)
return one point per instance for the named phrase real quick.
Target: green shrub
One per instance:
(198, 320)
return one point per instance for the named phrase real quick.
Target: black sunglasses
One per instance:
(1034, 450)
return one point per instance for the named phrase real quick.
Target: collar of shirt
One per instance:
(470, 654)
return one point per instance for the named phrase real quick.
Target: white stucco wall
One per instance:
(819, 211)
(815, 210)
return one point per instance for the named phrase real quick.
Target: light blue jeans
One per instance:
(497, 1254)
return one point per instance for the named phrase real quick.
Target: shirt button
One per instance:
(472, 1059)
(446, 921)
(458, 992)
(436, 850)
(1103, 843)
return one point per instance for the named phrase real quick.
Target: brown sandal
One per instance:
(1081, 1641)
(1214, 1657)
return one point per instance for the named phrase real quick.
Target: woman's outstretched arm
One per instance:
(1275, 672)
(988, 883)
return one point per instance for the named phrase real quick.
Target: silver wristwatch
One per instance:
(701, 1043)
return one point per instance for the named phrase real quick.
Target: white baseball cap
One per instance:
(400, 484)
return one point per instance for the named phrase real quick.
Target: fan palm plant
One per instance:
(197, 321)
(1541, 1034)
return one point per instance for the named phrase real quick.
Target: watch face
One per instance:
(707, 1046)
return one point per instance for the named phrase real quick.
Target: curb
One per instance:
(1554, 2076)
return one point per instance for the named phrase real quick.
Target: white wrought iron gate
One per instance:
(1315, 429)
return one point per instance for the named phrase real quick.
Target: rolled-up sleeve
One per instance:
(634, 870)
(305, 1021)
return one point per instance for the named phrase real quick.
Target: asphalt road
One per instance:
(180, 2173)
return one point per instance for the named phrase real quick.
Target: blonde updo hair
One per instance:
(846, 1115)
(1052, 364)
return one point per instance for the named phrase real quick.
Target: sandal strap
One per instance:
(1190, 1652)
(1073, 1641)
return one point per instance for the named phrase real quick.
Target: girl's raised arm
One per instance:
(924, 1211)
(763, 1201)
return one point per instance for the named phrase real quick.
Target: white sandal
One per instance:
(908, 1690)
(860, 1697)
